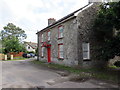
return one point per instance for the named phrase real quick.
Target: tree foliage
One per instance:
(13, 45)
(107, 30)
(110, 49)
(12, 30)
(107, 19)
(11, 38)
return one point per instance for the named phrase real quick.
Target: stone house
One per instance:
(70, 40)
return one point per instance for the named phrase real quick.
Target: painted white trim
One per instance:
(83, 9)
(88, 51)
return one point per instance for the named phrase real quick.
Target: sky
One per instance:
(33, 15)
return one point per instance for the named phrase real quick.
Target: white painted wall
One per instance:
(29, 49)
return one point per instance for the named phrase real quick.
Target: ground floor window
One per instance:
(42, 51)
(60, 51)
(86, 50)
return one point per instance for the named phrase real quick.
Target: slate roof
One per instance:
(60, 20)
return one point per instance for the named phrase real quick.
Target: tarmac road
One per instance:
(23, 74)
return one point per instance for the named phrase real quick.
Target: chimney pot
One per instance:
(51, 21)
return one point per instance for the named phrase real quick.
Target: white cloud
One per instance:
(32, 15)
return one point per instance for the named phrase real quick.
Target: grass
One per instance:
(114, 67)
(91, 72)
(106, 76)
(61, 67)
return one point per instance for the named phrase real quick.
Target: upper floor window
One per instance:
(42, 37)
(86, 50)
(60, 31)
(48, 35)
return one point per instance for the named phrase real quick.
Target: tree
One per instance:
(12, 30)
(107, 29)
(12, 37)
(108, 20)
(13, 45)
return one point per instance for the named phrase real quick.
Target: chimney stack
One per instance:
(51, 21)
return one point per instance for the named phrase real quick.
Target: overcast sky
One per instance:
(32, 15)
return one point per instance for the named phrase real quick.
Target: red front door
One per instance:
(49, 54)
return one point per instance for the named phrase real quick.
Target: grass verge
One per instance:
(111, 76)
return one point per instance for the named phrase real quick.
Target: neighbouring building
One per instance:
(30, 46)
(70, 40)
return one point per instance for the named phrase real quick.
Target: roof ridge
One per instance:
(65, 17)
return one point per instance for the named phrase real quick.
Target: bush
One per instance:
(117, 64)
(109, 50)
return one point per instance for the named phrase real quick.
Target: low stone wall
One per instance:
(1, 56)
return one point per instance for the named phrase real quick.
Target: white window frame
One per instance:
(86, 51)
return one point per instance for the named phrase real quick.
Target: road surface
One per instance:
(23, 74)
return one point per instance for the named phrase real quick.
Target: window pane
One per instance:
(49, 35)
(48, 38)
(61, 54)
(86, 51)
(42, 51)
(85, 55)
(60, 51)
(61, 29)
(85, 46)
(61, 32)
(60, 47)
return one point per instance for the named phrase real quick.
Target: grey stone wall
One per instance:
(85, 22)
(69, 43)
(76, 31)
